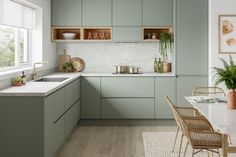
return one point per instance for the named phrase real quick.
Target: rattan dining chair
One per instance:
(200, 139)
(208, 91)
(194, 120)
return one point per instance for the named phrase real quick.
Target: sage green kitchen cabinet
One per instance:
(126, 34)
(59, 103)
(130, 87)
(90, 98)
(158, 12)
(58, 134)
(66, 12)
(34, 126)
(185, 86)
(127, 108)
(72, 93)
(77, 111)
(70, 120)
(96, 13)
(127, 13)
(164, 86)
(192, 37)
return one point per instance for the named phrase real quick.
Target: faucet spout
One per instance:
(34, 73)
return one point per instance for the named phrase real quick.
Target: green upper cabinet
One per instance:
(192, 37)
(127, 12)
(66, 12)
(96, 13)
(158, 12)
(126, 34)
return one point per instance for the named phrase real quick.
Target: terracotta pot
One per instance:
(166, 67)
(231, 102)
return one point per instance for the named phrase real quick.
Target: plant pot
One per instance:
(231, 99)
(166, 67)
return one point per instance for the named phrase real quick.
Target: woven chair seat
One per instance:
(200, 124)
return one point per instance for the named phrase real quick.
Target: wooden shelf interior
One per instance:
(154, 33)
(57, 33)
(97, 34)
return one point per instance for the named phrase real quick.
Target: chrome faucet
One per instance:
(34, 74)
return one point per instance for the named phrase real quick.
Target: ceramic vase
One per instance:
(231, 99)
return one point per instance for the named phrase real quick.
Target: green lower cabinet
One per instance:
(69, 120)
(127, 108)
(59, 103)
(77, 112)
(126, 34)
(58, 134)
(164, 86)
(185, 86)
(90, 98)
(69, 95)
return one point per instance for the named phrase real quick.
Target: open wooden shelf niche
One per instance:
(58, 31)
(153, 33)
(97, 34)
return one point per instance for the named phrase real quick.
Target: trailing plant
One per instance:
(227, 74)
(165, 44)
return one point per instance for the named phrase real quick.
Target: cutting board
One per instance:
(62, 59)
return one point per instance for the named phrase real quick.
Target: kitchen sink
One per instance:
(56, 79)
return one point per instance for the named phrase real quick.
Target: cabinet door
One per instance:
(90, 98)
(192, 37)
(127, 12)
(185, 86)
(66, 12)
(127, 87)
(126, 34)
(76, 88)
(77, 111)
(96, 13)
(69, 120)
(58, 134)
(158, 12)
(127, 108)
(164, 86)
(59, 103)
(69, 95)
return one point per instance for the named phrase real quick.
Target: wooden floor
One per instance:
(108, 141)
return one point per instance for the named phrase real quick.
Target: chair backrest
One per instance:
(174, 110)
(208, 91)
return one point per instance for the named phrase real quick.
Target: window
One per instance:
(17, 22)
(14, 50)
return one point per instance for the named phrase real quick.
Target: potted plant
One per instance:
(165, 47)
(227, 75)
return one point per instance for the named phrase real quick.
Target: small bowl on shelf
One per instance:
(69, 36)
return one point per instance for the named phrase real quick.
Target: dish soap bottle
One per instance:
(159, 66)
(23, 77)
(155, 65)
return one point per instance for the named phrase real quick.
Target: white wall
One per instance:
(216, 8)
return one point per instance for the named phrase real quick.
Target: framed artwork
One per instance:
(227, 34)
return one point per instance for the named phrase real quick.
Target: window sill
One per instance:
(13, 71)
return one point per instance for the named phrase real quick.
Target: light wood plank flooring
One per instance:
(108, 141)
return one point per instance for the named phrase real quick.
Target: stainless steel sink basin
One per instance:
(56, 79)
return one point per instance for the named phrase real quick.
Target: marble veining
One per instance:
(101, 57)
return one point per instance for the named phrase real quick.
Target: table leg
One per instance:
(225, 145)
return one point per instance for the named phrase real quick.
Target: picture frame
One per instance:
(227, 34)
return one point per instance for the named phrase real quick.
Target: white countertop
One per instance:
(39, 88)
(45, 88)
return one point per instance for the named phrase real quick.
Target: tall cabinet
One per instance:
(191, 46)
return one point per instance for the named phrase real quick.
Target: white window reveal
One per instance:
(17, 22)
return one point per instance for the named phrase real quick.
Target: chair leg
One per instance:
(181, 141)
(177, 132)
(193, 153)
(185, 150)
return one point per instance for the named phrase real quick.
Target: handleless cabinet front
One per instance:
(127, 87)
(66, 13)
(59, 103)
(127, 12)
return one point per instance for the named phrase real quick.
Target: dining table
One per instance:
(222, 119)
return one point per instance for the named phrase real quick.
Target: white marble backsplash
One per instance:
(101, 57)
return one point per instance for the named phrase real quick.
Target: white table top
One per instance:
(218, 114)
